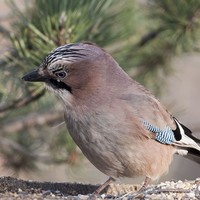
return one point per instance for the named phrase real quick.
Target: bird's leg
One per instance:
(147, 180)
(138, 194)
(104, 185)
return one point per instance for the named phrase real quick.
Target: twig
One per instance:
(7, 144)
(31, 120)
(177, 190)
(148, 37)
(22, 101)
(150, 191)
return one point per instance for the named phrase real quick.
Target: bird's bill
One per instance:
(34, 76)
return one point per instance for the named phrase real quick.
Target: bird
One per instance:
(119, 125)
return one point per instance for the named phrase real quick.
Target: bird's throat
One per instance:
(58, 85)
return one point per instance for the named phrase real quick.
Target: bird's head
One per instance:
(69, 68)
(79, 70)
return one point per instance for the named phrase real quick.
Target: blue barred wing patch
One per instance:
(165, 136)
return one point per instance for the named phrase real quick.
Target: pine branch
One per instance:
(10, 145)
(194, 19)
(148, 37)
(31, 120)
(22, 101)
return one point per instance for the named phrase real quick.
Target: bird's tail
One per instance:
(193, 155)
(188, 142)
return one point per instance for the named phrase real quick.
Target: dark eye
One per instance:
(60, 74)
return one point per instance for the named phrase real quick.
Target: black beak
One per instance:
(34, 76)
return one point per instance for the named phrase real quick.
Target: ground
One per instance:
(12, 188)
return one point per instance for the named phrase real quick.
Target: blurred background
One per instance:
(156, 41)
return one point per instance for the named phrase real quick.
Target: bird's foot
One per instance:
(103, 186)
(140, 192)
(135, 195)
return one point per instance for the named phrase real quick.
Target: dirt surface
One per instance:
(22, 188)
(12, 188)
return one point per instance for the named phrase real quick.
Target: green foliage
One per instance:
(179, 21)
(142, 37)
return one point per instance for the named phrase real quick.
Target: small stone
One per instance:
(82, 197)
(47, 192)
(187, 185)
(167, 183)
(194, 186)
(23, 193)
(15, 194)
(154, 196)
(172, 184)
(162, 186)
(109, 196)
(70, 197)
(191, 195)
(180, 184)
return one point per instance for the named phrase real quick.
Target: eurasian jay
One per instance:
(118, 124)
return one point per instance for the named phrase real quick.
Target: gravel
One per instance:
(12, 188)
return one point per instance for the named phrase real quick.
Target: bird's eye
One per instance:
(60, 74)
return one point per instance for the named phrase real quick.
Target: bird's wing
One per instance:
(157, 120)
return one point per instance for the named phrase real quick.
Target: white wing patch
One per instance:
(185, 140)
(176, 137)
